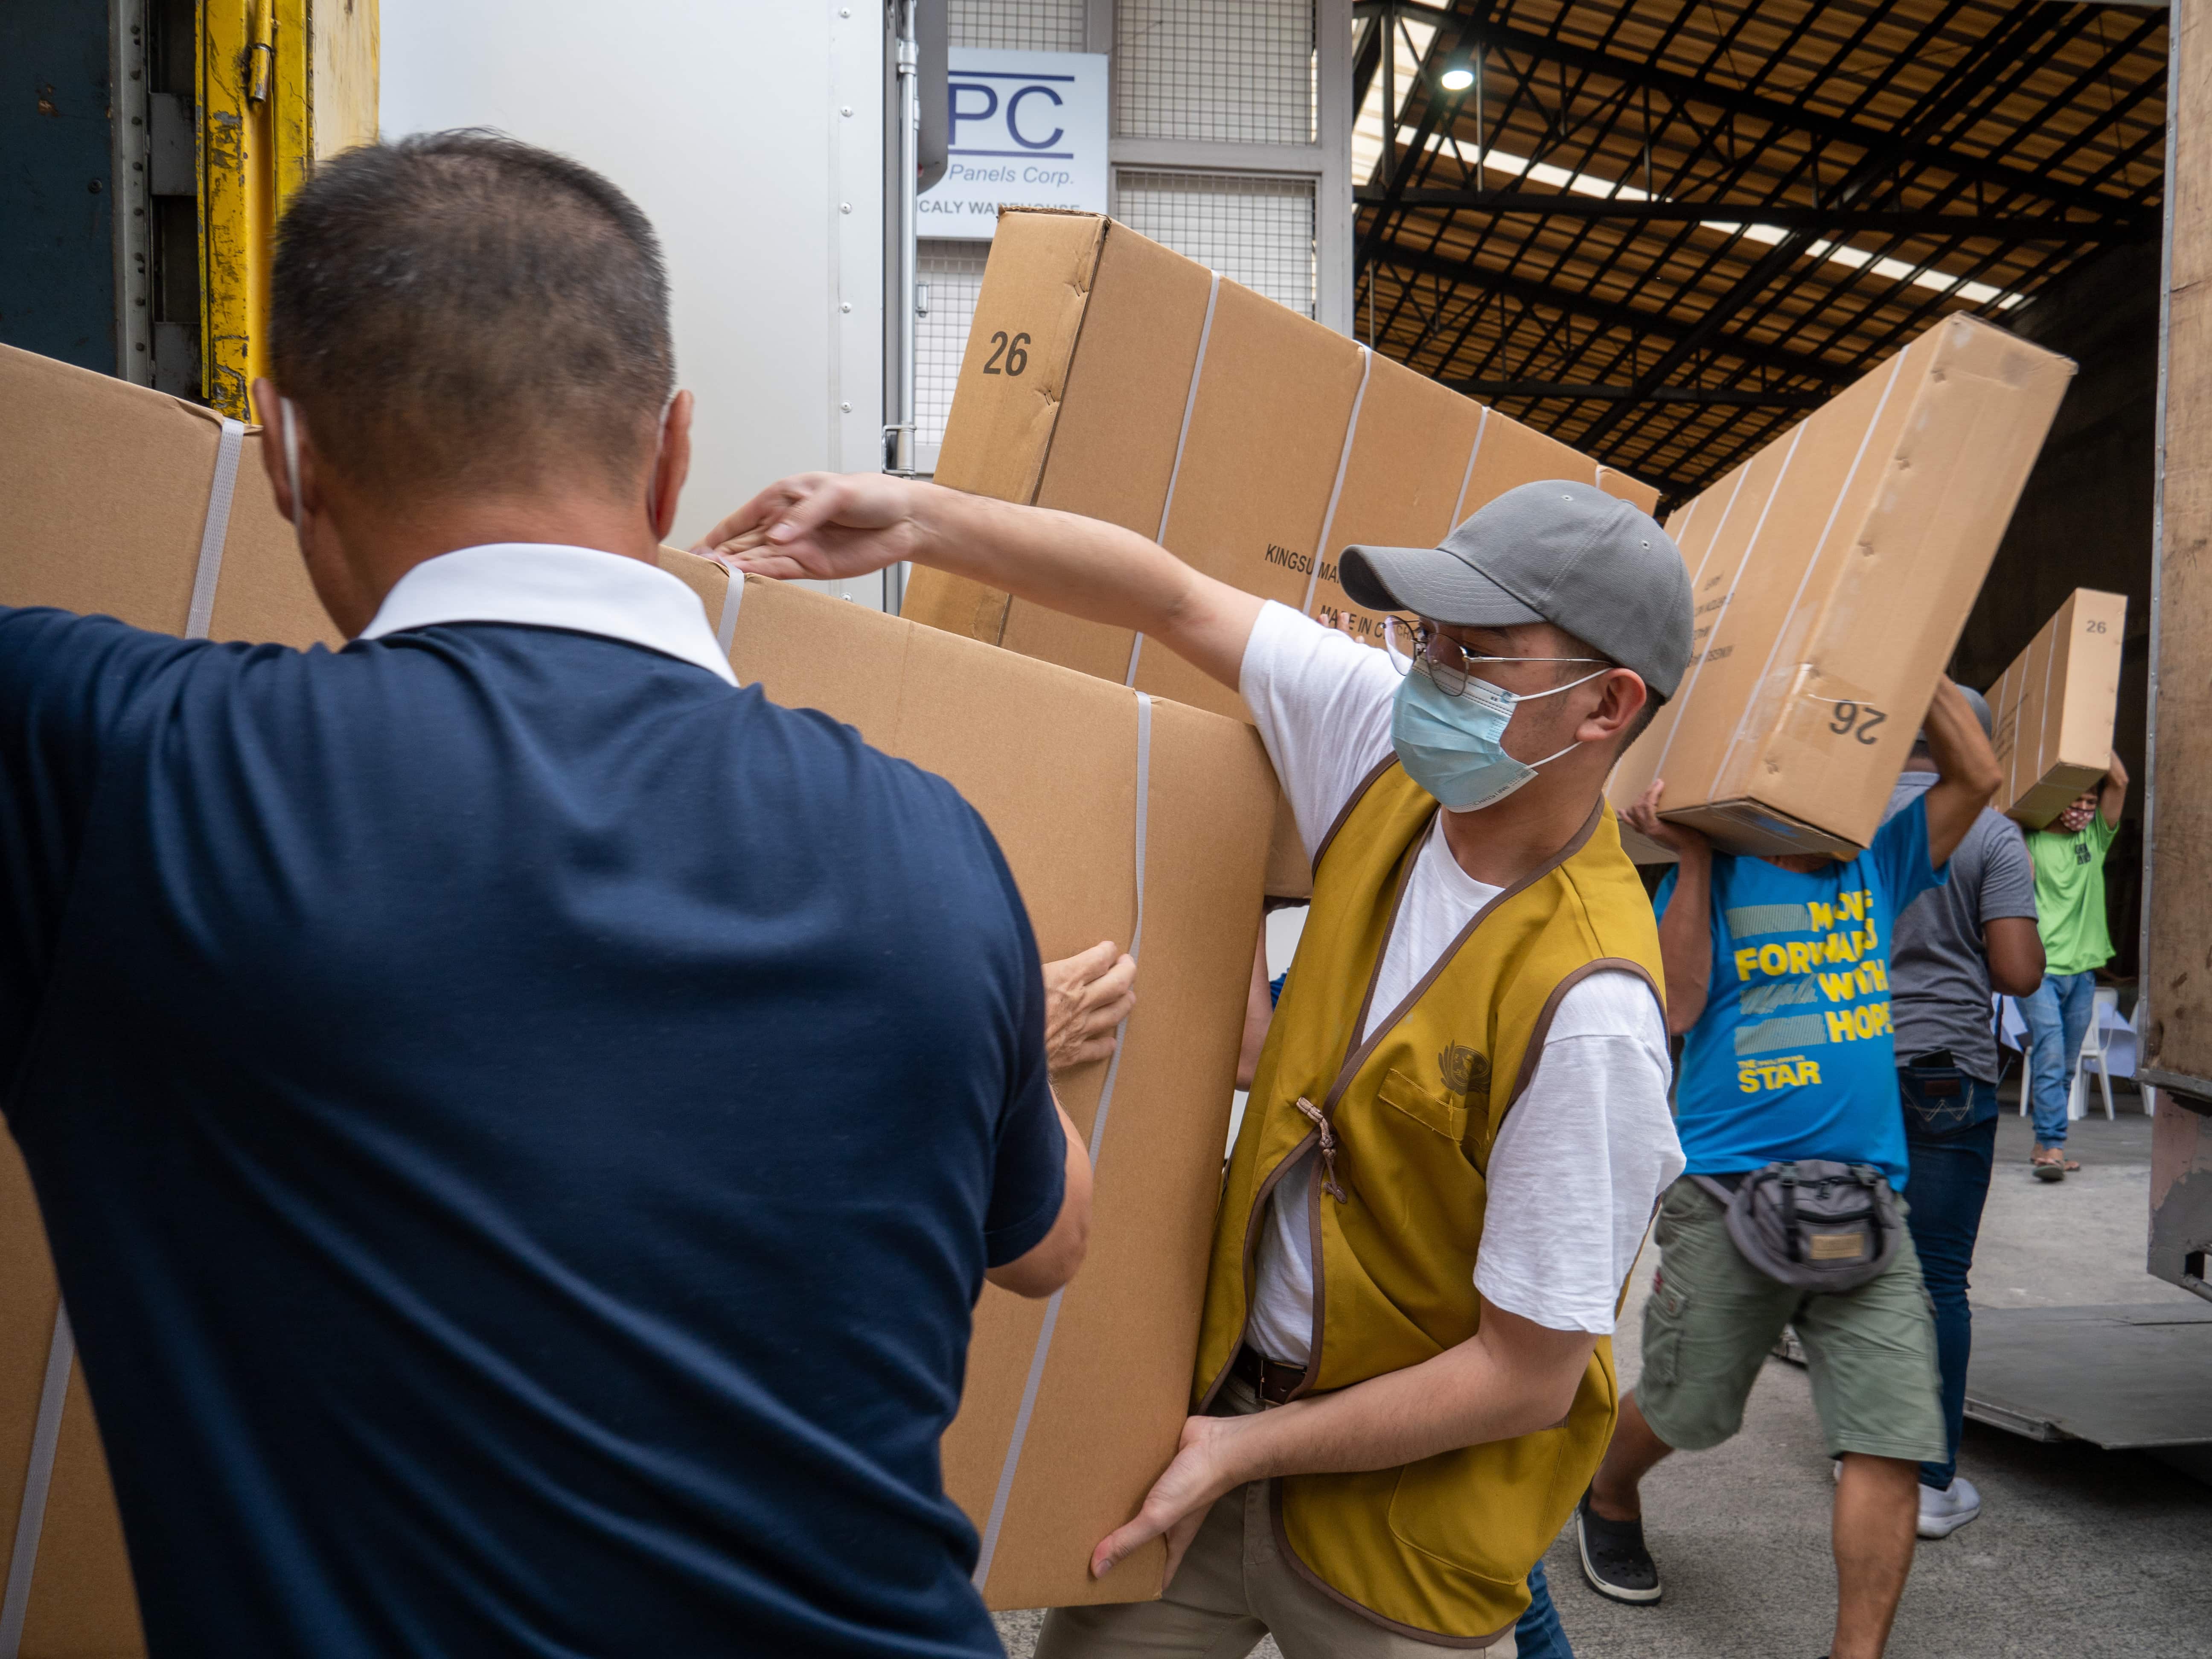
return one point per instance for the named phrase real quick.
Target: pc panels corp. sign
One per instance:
(1028, 129)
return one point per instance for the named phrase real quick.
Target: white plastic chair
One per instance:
(2092, 1053)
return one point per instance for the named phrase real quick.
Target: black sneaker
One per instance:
(1614, 1560)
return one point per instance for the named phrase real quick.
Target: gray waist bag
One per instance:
(1812, 1224)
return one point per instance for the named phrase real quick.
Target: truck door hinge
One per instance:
(261, 54)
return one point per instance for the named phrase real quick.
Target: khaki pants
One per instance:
(1233, 1588)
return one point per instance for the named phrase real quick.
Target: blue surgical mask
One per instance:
(1451, 745)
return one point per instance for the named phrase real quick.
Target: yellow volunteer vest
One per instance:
(1440, 1549)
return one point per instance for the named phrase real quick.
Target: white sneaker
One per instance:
(1942, 1513)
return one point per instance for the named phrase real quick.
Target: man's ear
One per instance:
(1625, 695)
(269, 405)
(672, 465)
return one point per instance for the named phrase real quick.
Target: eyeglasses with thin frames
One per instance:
(1447, 663)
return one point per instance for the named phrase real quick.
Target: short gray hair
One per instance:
(456, 305)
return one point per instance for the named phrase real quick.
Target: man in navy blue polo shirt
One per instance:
(522, 1122)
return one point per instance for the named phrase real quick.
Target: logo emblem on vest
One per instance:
(1465, 1072)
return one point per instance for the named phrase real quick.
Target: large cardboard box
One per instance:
(126, 501)
(1831, 574)
(2053, 711)
(1122, 817)
(1108, 376)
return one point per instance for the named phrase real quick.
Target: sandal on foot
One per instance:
(1614, 1559)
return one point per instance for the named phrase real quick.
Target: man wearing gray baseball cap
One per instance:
(1458, 1126)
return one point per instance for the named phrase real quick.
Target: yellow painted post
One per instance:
(281, 82)
(235, 195)
(292, 107)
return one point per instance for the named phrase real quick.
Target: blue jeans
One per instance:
(1950, 1178)
(1539, 1635)
(2058, 1017)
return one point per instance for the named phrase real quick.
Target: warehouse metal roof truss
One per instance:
(1661, 230)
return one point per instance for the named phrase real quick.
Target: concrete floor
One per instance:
(2077, 1551)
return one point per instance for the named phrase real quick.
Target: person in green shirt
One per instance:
(2069, 906)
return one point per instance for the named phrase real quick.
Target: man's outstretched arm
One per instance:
(2112, 792)
(1967, 767)
(1686, 932)
(827, 525)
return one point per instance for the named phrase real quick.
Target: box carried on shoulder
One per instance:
(2052, 710)
(1108, 376)
(1832, 575)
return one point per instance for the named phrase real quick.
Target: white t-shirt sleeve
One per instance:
(1582, 1160)
(1321, 701)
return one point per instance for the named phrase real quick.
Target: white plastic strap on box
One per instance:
(1811, 559)
(734, 600)
(1689, 518)
(220, 492)
(1750, 545)
(1183, 435)
(37, 1478)
(1336, 489)
(997, 1518)
(1459, 504)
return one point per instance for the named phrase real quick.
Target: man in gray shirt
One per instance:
(1952, 947)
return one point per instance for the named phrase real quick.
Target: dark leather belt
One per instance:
(1272, 1381)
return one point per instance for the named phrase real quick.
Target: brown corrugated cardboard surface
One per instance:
(82, 1604)
(1047, 756)
(1257, 497)
(2052, 709)
(1831, 574)
(106, 485)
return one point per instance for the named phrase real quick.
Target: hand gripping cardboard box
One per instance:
(1831, 574)
(1123, 817)
(2051, 712)
(1108, 376)
(125, 502)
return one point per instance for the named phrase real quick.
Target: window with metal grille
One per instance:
(1017, 25)
(1255, 230)
(1230, 72)
(953, 274)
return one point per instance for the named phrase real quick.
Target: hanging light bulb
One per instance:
(1458, 78)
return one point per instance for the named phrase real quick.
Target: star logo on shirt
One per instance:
(1464, 1071)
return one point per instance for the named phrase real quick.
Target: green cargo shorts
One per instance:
(1713, 1318)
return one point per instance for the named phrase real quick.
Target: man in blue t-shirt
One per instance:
(1778, 976)
(522, 1121)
